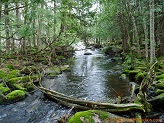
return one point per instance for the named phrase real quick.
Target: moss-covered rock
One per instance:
(56, 69)
(28, 86)
(19, 87)
(160, 85)
(65, 68)
(29, 70)
(160, 77)
(9, 66)
(158, 100)
(15, 95)
(159, 91)
(123, 76)
(3, 89)
(133, 73)
(140, 76)
(95, 116)
(6, 74)
(22, 79)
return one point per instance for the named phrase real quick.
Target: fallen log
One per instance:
(85, 105)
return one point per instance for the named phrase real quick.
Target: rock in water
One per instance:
(87, 53)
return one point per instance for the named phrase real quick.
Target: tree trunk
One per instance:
(54, 28)
(39, 43)
(146, 38)
(0, 28)
(152, 40)
(136, 36)
(142, 10)
(8, 43)
(34, 38)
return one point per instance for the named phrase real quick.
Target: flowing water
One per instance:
(92, 77)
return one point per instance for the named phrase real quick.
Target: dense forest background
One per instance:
(40, 24)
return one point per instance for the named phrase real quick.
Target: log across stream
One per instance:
(86, 105)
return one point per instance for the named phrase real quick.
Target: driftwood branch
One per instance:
(86, 105)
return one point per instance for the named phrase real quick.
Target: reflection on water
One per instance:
(93, 77)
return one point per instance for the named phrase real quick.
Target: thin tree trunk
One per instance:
(54, 28)
(152, 40)
(39, 30)
(34, 38)
(142, 11)
(136, 36)
(8, 43)
(0, 26)
(146, 38)
(25, 23)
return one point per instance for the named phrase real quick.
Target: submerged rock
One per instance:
(87, 53)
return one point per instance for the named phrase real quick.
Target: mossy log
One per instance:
(85, 105)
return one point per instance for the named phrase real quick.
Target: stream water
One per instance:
(92, 77)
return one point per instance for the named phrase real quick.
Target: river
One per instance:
(92, 77)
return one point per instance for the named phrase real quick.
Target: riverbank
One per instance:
(17, 73)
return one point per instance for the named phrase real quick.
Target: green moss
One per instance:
(52, 75)
(3, 89)
(22, 79)
(2, 74)
(160, 85)
(139, 76)
(88, 116)
(65, 68)
(19, 87)
(158, 100)
(161, 80)
(9, 66)
(126, 70)
(160, 77)
(15, 95)
(56, 69)
(159, 91)
(135, 71)
(28, 86)
(123, 76)
(6, 74)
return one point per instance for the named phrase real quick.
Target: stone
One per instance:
(87, 53)
(97, 116)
